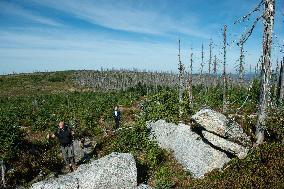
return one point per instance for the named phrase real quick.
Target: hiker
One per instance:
(117, 117)
(65, 137)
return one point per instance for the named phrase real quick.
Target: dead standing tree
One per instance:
(241, 65)
(281, 82)
(3, 170)
(215, 70)
(257, 69)
(268, 21)
(181, 82)
(268, 16)
(202, 65)
(276, 82)
(190, 81)
(210, 57)
(209, 63)
(224, 71)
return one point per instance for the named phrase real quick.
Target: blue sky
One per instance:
(50, 35)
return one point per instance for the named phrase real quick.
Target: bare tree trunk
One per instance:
(241, 66)
(3, 173)
(202, 64)
(281, 82)
(181, 82)
(259, 65)
(215, 70)
(224, 72)
(209, 64)
(276, 82)
(190, 82)
(210, 57)
(265, 71)
(255, 72)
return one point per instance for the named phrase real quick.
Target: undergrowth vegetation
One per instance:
(28, 113)
(165, 104)
(26, 120)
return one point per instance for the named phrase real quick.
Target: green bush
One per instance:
(165, 105)
(164, 175)
(275, 124)
(10, 137)
(37, 157)
(135, 141)
(36, 78)
(57, 77)
(262, 168)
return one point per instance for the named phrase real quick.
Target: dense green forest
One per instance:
(32, 104)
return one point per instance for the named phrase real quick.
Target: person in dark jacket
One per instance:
(65, 137)
(117, 117)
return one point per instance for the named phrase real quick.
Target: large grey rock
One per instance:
(117, 170)
(188, 148)
(219, 124)
(68, 181)
(226, 145)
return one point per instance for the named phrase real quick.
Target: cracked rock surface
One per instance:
(219, 124)
(189, 149)
(117, 170)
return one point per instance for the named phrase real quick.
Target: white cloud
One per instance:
(14, 10)
(125, 17)
(20, 51)
(29, 50)
(77, 48)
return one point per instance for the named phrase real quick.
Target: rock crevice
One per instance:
(210, 145)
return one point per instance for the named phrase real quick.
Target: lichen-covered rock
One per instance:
(219, 124)
(117, 170)
(188, 148)
(226, 145)
(67, 181)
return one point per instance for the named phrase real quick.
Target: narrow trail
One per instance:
(103, 142)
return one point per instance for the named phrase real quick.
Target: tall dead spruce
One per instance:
(210, 57)
(281, 82)
(215, 70)
(181, 81)
(202, 65)
(276, 81)
(3, 169)
(190, 81)
(241, 65)
(268, 16)
(224, 71)
(209, 64)
(265, 95)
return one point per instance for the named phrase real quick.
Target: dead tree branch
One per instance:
(246, 17)
(248, 32)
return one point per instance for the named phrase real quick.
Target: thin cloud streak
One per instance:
(57, 51)
(126, 18)
(120, 34)
(17, 11)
